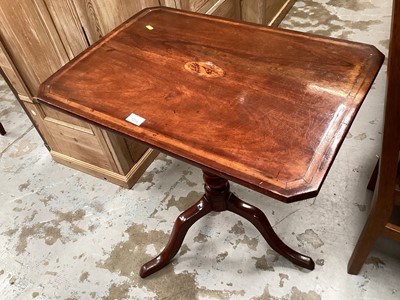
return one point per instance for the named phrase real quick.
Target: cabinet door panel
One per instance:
(12, 74)
(149, 3)
(68, 24)
(254, 10)
(171, 3)
(101, 16)
(31, 40)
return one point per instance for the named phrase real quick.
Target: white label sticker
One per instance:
(135, 119)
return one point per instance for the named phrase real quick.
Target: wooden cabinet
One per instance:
(38, 37)
(268, 12)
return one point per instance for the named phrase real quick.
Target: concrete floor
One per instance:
(66, 235)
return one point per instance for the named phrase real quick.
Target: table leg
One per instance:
(260, 221)
(181, 227)
(2, 130)
(374, 177)
(217, 197)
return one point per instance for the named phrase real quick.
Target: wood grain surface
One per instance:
(273, 122)
(27, 34)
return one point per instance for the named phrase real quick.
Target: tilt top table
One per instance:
(267, 108)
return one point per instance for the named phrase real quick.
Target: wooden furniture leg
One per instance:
(372, 230)
(374, 178)
(260, 221)
(2, 130)
(383, 180)
(181, 227)
(217, 197)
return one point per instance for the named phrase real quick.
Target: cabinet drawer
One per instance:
(76, 138)
(52, 115)
(79, 145)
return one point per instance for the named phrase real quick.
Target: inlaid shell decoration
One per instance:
(205, 69)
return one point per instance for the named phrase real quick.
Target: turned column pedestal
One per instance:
(217, 197)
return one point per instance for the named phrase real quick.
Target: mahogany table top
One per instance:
(265, 107)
